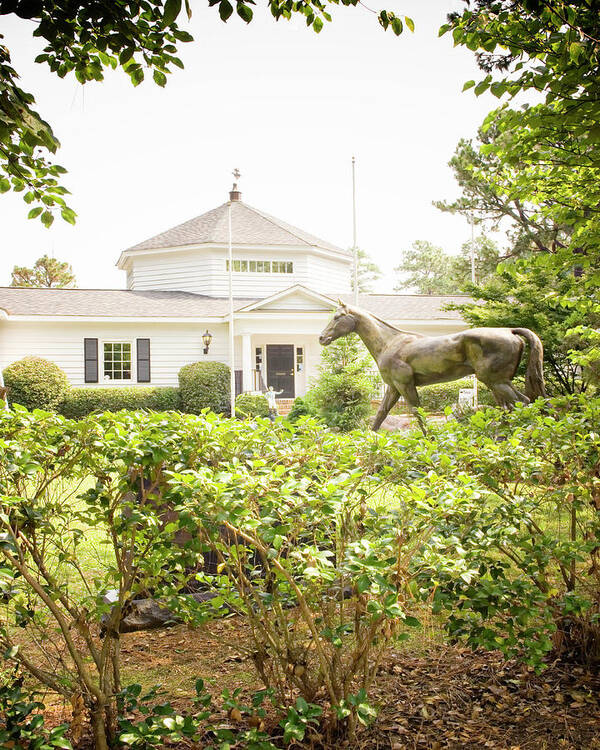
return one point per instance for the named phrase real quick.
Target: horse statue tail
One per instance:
(534, 375)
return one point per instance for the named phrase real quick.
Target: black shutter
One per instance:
(90, 360)
(143, 360)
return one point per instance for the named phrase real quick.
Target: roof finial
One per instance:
(234, 193)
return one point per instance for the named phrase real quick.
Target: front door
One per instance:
(280, 369)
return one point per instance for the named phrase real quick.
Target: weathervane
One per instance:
(236, 176)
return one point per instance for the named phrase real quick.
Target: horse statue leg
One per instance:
(390, 397)
(411, 395)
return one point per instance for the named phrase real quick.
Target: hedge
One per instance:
(81, 401)
(249, 405)
(437, 397)
(36, 383)
(205, 385)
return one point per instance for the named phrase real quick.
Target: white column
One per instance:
(248, 383)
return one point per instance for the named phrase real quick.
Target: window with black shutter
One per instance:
(143, 360)
(90, 360)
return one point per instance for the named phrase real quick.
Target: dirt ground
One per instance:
(443, 697)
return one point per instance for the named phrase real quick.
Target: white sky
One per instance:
(286, 106)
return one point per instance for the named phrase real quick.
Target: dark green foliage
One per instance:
(21, 720)
(249, 405)
(437, 397)
(81, 401)
(205, 385)
(528, 294)
(342, 399)
(300, 408)
(143, 723)
(36, 383)
(342, 393)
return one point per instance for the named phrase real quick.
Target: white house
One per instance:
(285, 284)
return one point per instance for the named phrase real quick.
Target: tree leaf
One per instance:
(244, 12)
(225, 10)
(159, 77)
(172, 10)
(47, 219)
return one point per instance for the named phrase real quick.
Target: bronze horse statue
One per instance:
(407, 360)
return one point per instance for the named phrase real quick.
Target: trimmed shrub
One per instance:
(250, 405)
(81, 401)
(437, 397)
(36, 383)
(205, 385)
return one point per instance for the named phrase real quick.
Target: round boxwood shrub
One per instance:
(251, 405)
(81, 401)
(36, 383)
(204, 385)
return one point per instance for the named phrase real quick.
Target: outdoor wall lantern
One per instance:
(206, 339)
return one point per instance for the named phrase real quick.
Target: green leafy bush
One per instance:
(251, 405)
(317, 576)
(81, 401)
(205, 385)
(342, 393)
(36, 383)
(300, 408)
(22, 723)
(437, 397)
(342, 400)
(514, 552)
(313, 571)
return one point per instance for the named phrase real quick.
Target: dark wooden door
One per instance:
(280, 369)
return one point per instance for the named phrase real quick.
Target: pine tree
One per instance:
(46, 272)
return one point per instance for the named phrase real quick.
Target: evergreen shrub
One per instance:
(342, 393)
(341, 399)
(300, 408)
(205, 385)
(251, 405)
(81, 401)
(437, 397)
(36, 383)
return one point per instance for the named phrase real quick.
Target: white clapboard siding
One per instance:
(205, 272)
(329, 276)
(171, 346)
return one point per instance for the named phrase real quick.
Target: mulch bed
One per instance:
(448, 697)
(455, 698)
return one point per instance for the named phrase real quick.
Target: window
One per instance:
(117, 360)
(282, 266)
(299, 358)
(258, 358)
(261, 266)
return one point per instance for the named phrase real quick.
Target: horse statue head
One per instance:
(342, 323)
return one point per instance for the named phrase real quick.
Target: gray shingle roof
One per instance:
(104, 303)
(249, 226)
(410, 306)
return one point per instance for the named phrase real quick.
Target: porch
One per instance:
(283, 362)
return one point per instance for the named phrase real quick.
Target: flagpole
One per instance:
(473, 281)
(354, 248)
(231, 332)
